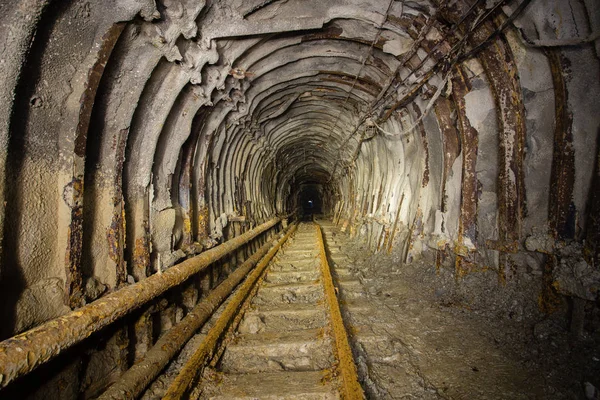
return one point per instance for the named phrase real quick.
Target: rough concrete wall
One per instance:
(137, 133)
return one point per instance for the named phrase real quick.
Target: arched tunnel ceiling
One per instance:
(309, 90)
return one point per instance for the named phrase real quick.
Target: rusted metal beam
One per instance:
(131, 384)
(421, 128)
(188, 373)
(351, 389)
(501, 70)
(410, 95)
(73, 196)
(563, 158)
(115, 235)
(115, 244)
(562, 179)
(592, 241)
(21, 354)
(451, 144)
(202, 216)
(467, 229)
(185, 186)
(74, 168)
(450, 139)
(500, 67)
(138, 233)
(139, 265)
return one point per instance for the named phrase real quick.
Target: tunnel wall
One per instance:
(135, 134)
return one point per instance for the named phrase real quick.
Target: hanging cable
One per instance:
(406, 57)
(429, 106)
(445, 62)
(363, 64)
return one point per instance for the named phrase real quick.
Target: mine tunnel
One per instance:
(299, 199)
(310, 198)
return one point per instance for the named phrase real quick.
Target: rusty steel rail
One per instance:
(23, 353)
(351, 389)
(184, 380)
(133, 382)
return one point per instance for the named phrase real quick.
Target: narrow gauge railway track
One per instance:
(280, 336)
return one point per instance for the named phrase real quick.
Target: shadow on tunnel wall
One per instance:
(12, 280)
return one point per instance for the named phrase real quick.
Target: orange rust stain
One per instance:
(187, 225)
(141, 254)
(203, 221)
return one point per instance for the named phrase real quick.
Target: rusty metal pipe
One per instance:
(22, 353)
(192, 368)
(131, 384)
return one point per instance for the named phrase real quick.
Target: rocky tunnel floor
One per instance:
(415, 337)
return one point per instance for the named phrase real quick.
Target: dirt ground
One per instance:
(424, 335)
